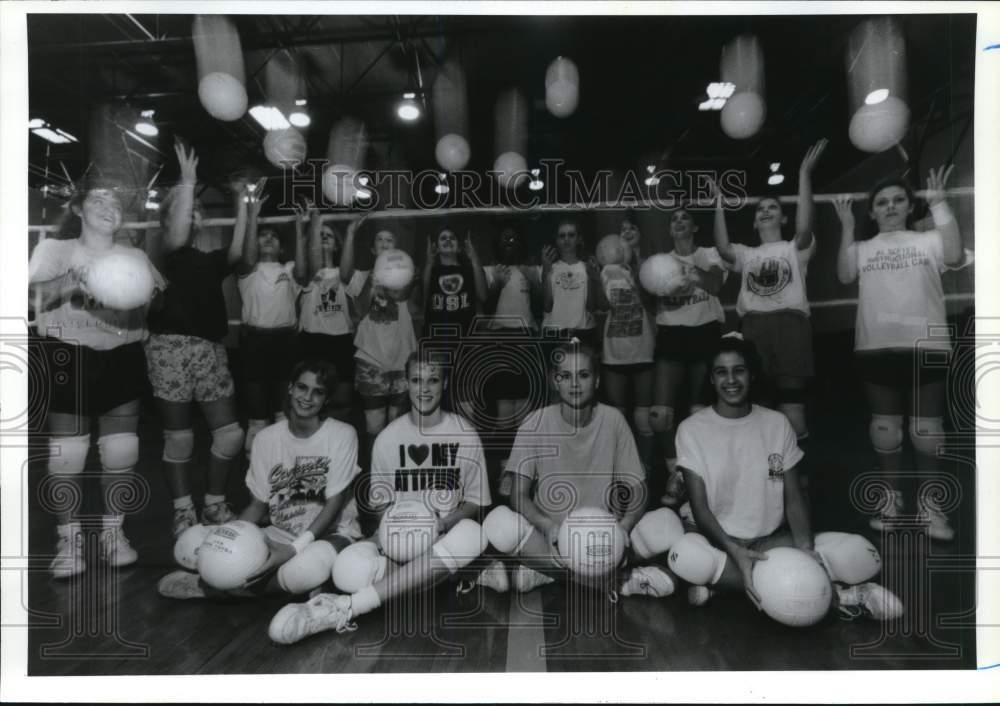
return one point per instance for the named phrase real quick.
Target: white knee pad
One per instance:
(358, 566)
(507, 530)
(68, 454)
(253, 428)
(307, 569)
(656, 532)
(227, 441)
(119, 452)
(178, 445)
(886, 433)
(643, 425)
(661, 418)
(462, 544)
(848, 558)
(926, 434)
(795, 412)
(696, 561)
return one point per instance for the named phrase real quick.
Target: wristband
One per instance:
(941, 213)
(303, 541)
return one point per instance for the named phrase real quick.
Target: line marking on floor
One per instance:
(525, 633)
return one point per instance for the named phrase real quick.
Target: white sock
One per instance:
(185, 502)
(213, 499)
(364, 601)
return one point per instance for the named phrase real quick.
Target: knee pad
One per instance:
(848, 558)
(886, 433)
(926, 434)
(696, 561)
(358, 566)
(661, 418)
(656, 532)
(506, 530)
(227, 441)
(178, 445)
(68, 454)
(253, 428)
(795, 412)
(462, 544)
(119, 452)
(643, 425)
(307, 569)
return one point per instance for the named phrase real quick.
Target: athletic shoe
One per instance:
(217, 514)
(527, 579)
(115, 547)
(675, 491)
(493, 576)
(869, 600)
(938, 526)
(699, 595)
(297, 621)
(891, 509)
(181, 586)
(184, 517)
(648, 581)
(68, 560)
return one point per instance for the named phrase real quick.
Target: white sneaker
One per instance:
(493, 576)
(184, 517)
(296, 621)
(891, 509)
(115, 547)
(527, 579)
(648, 581)
(217, 514)
(181, 586)
(938, 526)
(699, 595)
(869, 600)
(68, 560)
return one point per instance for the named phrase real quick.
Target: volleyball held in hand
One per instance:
(285, 148)
(231, 554)
(408, 529)
(612, 250)
(394, 269)
(120, 280)
(223, 96)
(794, 588)
(591, 542)
(662, 275)
(188, 543)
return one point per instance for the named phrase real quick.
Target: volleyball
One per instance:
(285, 148)
(231, 554)
(742, 115)
(591, 542)
(794, 588)
(187, 545)
(452, 152)
(121, 280)
(876, 128)
(394, 269)
(338, 184)
(511, 168)
(408, 529)
(612, 250)
(223, 96)
(661, 275)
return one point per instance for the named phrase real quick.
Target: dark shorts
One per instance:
(903, 369)
(514, 364)
(687, 344)
(78, 380)
(338, 350)
(267, 355)
(784, 342)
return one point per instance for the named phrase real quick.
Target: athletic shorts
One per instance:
(784, 342)
(345, 526)
(372, 381)
(74, 379)
(515, 365)
(687, 344)
(267, 355)
(640, 397)
(185, 368)
(903, 369)
(338, 350)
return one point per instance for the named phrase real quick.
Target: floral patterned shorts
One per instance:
(185, 368)
(372, 381)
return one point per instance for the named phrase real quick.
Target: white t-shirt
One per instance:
(573, 467)
(569, 297)
(295, 477)
(442, 466)
(324, 307)
(269, 293)
(899, 291)
(86, 321)
(774, 277)
(694, 306)
(743, 463)
(514, 302)
(628, 334)
(385, 336)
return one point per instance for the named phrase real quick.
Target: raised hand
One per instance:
(549, 256)
(470, 249)
(937, 180)
(812, 156)
(188, 161)
(842, 204)
(745, 559)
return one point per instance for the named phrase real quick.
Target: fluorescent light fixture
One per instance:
(877, 96)
(536, 184)
(300, 101)
(441, 188)
(775, 179)
(775, 166)
(363, 180)
(408, 109)
(53, 134)
(720, 90)
(36, 123)
(362, 194)
(651, 180)
(712, 104)
(152, 206)
(269, 117)
(299, 119)
(147, 129)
